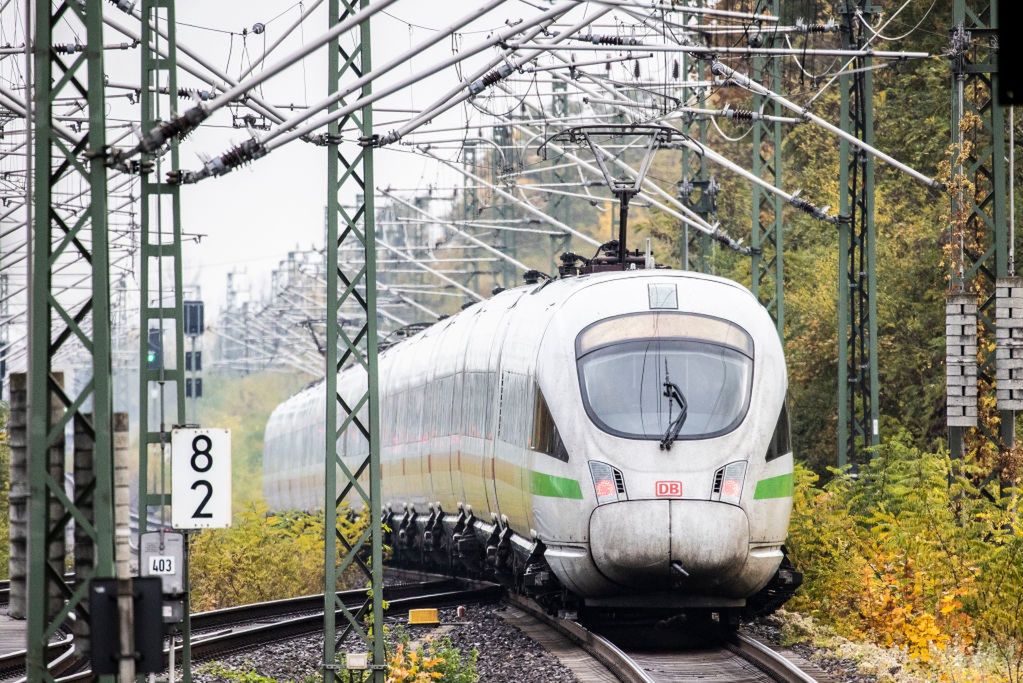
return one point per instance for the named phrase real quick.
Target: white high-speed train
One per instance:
(617, 439)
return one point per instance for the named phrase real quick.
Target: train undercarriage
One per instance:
(464, 545)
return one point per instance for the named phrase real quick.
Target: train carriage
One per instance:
(619, 439)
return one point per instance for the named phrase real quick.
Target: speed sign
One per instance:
(200, 478)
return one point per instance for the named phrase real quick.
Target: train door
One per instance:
(470, 459)
(496, 381)
(510, 446)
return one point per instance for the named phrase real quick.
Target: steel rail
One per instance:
(627, 669)
(439, 594)
(767, 660)
(597, 646)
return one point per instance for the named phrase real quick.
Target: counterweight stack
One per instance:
(1009, 343)
(961, 360)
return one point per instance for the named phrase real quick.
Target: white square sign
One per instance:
(200, 478)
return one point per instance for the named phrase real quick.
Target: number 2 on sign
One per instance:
(204, 466)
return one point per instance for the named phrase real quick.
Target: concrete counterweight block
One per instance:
(961, 360)
(1009, 343)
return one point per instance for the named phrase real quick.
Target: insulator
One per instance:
(203, 95)
(68, 48)
(239, 155)
(604, 39)
(961, 360)
(674, 69)
(635, 69)
(489, 79)
(740, 114)
(1009, 343)
(167, 130)
(808, 207)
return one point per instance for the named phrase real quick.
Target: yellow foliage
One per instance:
(262, 557)
(435, 660)
(899, 557)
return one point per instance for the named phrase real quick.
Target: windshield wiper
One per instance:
(672, 391)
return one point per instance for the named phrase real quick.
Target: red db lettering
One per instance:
(669, 489)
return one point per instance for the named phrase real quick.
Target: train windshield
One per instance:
(625, 363)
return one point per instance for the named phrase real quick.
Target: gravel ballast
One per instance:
(506, 655)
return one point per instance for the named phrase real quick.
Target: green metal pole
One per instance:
(857, 316)
(352, 172)
(38, 417)
(160, 250)
(56, 236)
(331, 367)
(767, 227)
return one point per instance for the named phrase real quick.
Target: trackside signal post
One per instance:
(350, 171)
(161, 298)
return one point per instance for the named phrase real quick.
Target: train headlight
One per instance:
(728, 483)
(608, 483)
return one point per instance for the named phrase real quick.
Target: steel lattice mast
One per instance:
(58, 234)
(161, 303)
(350, 170)
(984, 215)
(768, 282)
(857, 241)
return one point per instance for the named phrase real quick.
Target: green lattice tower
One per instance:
(695, 246)
(350, 171)
(503, 138)
(768, 282)
(161, 388)
(60, 236)
(974, 72)
(858, 427)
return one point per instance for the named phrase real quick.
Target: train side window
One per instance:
(781, 441)
(545, 437)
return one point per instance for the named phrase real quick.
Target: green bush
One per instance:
(910, 554)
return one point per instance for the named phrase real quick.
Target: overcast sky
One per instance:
(253, 217)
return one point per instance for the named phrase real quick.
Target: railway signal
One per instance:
(154, 351)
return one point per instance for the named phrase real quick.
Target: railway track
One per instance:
(738, 659)
(222, 632)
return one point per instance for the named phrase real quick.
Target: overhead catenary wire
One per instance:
(292, 130)
(154, 139)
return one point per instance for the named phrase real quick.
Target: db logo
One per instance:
(668, 489)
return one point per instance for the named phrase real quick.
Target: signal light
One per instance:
(154, 352)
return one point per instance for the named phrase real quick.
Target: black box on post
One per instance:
(104, 621)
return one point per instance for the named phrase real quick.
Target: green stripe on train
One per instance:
(541, 484)
(774, 487)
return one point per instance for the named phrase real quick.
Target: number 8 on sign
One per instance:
(200, 478)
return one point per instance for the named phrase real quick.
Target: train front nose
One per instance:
(635, 543)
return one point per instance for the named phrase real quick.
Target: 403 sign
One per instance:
(200, 478)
